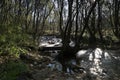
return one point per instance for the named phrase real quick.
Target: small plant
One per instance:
(16, 51)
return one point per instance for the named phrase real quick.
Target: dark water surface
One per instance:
(99, 64)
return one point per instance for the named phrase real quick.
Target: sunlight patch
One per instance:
(98, 53)
(107, 56)
(81, 53)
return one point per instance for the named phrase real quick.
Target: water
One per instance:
(99, 64)
(102, 64)
(52, 41)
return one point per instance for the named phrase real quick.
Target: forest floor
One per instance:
(39, 69)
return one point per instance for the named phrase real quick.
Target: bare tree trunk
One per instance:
(116, 19)
(99, 20)
(76, 30)
(87, 20)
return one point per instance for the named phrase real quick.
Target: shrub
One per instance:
(11, 70)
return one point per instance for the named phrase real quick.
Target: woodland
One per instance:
(89, 24)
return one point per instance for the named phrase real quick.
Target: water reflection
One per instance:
(102, 64)
(99, 64)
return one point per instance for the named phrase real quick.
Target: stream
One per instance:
(99, 64)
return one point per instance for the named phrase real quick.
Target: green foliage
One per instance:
(12, 50)
(12, 40)
(10, 43)
(12, 70)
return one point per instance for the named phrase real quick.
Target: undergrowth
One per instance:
(11, 70)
